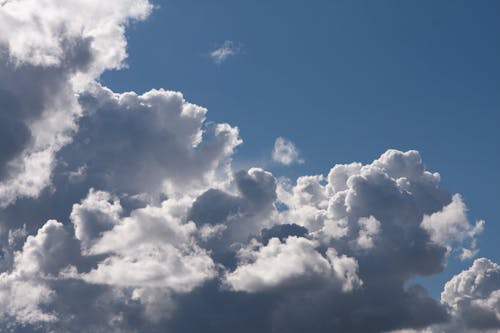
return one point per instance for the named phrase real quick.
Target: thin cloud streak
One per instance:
(226, 50)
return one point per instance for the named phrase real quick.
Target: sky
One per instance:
(344, 80)
(251, 166)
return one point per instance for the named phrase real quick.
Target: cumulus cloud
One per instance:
(474, 296)
(150, 248)
(451, 225)
(41, 257)
(362, 220)
(226, 50)
(50, 52)
(97, 213)
(121, 211)
(290, 264)
(244, 208)
(473, 300)
(285, 152)
(151, 143)
(235, 235)
(369, 228)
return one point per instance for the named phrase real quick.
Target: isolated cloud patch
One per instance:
(285, 152)
(226, 50)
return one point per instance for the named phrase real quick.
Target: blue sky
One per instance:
(344, 80)
(124, 207)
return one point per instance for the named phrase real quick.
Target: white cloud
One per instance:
(226, 50)
(150, 248)
(473, 300)
(290, 264)
(451, 225)
(47, 31)
(151, 143)
(474, 295)
(369, 228)
(159, 220)
(285, 152)
(25, 289)
(154, 265)
(53, 52)
(97, 213)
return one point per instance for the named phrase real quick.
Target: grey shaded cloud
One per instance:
(282, 231)
(474, 295)
(49, 53)
(245, 212)
(146, 143)
(121, 211)
(472, 299)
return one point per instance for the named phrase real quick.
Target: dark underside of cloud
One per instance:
(121, 212)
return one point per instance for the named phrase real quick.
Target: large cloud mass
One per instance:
(120, 212)
(49, 52)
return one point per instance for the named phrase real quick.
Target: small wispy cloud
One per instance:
(226, 50)
(285, 152)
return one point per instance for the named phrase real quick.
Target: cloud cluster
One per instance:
(120, 212)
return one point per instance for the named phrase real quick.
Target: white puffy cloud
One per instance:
(97, 213)
(290, 264)
(150, 248)
(150, 252)
(348, 243)
(473, 300)
(392, 197)
(151, 143)
(340, 173)
(159, 233)
(369, 228)
(373, 213)
(24, 307)
(285, 152)
(451, 225)
(25, 288)
(306, 201)
(45, 29)
(50, 250)
(50, 51)
(154, 265)
(474, 296)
